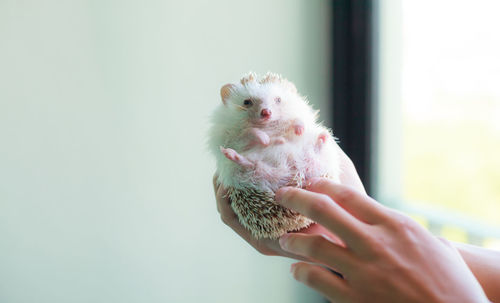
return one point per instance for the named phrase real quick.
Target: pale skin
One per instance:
(383, 255)
(257, 136)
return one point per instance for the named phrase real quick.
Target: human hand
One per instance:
(386, 256)
(270, 247)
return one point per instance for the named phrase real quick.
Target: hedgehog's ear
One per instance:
(225, 92)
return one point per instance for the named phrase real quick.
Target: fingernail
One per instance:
(279, 194)
(283, 240)
(292, 267)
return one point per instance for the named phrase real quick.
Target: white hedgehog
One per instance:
(265, 136)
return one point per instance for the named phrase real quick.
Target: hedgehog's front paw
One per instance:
(261, 137)
(232, 155)
(322, 138)
(298, 127)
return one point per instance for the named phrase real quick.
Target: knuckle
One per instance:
(404, 223)
(375, 242)
(404, 226)
(377, 246)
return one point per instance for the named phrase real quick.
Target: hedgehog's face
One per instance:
(260, 104)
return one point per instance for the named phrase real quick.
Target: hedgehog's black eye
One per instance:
(277, 99)
(247, 102)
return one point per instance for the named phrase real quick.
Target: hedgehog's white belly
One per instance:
(284, 162)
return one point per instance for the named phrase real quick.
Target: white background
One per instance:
(105, 183)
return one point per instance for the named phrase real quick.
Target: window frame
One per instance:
(358, 117)
(352, 82)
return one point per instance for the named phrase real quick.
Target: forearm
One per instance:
(485, 265)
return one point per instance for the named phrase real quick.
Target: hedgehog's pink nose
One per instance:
(265, 113)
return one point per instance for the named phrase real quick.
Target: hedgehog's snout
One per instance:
(265, 113)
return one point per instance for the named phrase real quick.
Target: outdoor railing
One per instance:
(437, 218)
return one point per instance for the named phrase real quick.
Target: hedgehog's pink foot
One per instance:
(259, 136)
(298, 127)
(232, 155)
(321, 140)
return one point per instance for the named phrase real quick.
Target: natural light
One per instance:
(449, 136)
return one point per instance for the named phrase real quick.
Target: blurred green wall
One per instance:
(105, 184)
